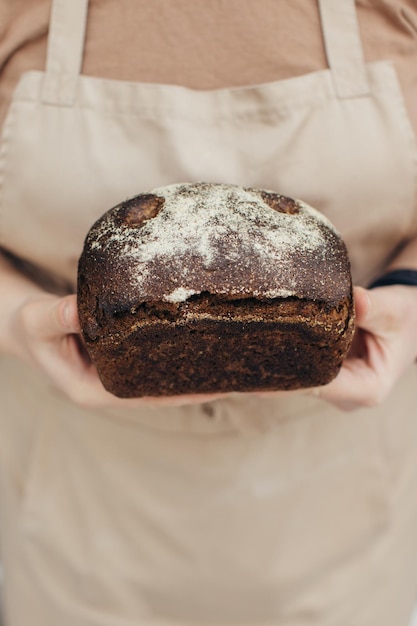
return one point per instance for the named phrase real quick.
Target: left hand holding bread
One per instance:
(384, 346)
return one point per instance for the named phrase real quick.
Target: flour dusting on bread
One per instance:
(205, 288)
(217, 226)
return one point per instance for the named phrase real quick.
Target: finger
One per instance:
(87, 390)
(64, 316)
(362, 304)
(69, 313)
(51, 317)
(183, 400)
(379, 310)
(357, 385)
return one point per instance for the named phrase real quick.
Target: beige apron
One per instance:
(244, 511)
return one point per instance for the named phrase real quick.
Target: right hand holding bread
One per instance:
(45, 333)
(43, 330)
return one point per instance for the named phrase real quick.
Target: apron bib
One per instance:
(243, 511)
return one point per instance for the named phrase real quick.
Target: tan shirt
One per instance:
(206, 44)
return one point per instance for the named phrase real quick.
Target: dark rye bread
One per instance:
(205, 288)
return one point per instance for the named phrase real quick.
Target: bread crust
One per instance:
(205, 288)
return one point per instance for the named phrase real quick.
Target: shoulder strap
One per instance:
(67, 33)
(65, 50)
(343, 46)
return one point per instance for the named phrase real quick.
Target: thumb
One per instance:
(69, 314)
(64, 316)
(362, 299)
(50, 317)
(371, 308)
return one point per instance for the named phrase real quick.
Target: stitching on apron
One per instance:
(276, 110)
(290, 103)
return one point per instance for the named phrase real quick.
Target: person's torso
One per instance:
(199, 512)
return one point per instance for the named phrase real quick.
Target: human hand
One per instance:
(384, 346)
(46, 333)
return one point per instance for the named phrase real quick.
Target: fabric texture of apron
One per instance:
(273, 512)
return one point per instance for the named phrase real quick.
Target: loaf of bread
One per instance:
(206, 288)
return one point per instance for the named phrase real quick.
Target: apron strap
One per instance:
(65, 51)
(342, 41)
(66, 46)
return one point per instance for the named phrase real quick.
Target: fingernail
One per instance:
(368, 304)
(65, 314)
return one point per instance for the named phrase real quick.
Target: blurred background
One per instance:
(412, 623)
